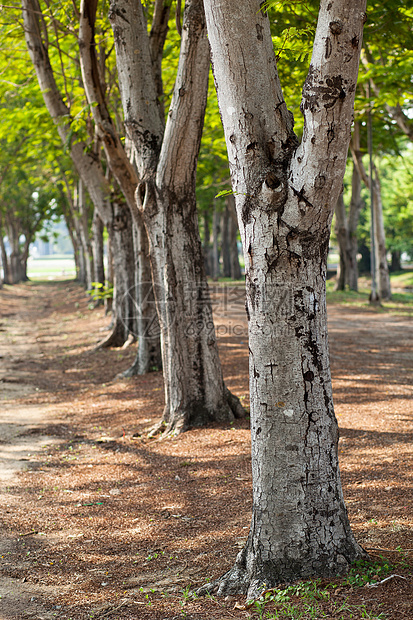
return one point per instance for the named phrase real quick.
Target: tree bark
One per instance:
(194, 388)
(285, 196)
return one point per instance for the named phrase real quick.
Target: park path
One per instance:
(22, 429)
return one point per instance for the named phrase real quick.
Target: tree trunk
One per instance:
(382, 268)
(225, 249)
(97, 246)
(343, 244)
(147, 329)
(194, 388)
(206, 245)
(396, 264)
(110, 277)
(127, 179)
(233, 239)
(285, 198)
(5, 261)
(356, 205)
(83, 210)
(215, 243)
(124, 300)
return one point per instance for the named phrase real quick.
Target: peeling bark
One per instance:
(285, 197)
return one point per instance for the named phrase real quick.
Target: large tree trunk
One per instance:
(285, 199)
(194, 388)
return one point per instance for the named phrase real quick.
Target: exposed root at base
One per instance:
(116, 338)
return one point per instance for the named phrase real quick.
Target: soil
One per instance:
(101, 521)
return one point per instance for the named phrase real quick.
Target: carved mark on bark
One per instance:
(336, 26)
(329, 47)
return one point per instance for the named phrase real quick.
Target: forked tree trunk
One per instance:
(143, 325)
(285, 199)
(86, 162)
(194, 388)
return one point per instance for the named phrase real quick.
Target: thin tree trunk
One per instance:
(97, 248)
(382, 268)
(215, 243)
(233, 239)
(85, 234)
(124, 300)
(396, 264)
(5, 262)
(225, 249)
(285, 196)
(356, 205)
(343, 244)
(206, 245)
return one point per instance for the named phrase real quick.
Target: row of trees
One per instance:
(127, 94)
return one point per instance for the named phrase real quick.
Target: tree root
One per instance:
(235, 404)
(116, 338)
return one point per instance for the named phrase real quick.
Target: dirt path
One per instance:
(99, 523)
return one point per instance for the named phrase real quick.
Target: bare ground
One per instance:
(99, 523)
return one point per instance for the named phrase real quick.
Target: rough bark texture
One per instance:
(285, 196)
(166, 159)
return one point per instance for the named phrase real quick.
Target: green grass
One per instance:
(400, 303)
(51, 266)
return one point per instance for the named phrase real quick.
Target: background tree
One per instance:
(166, 157)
